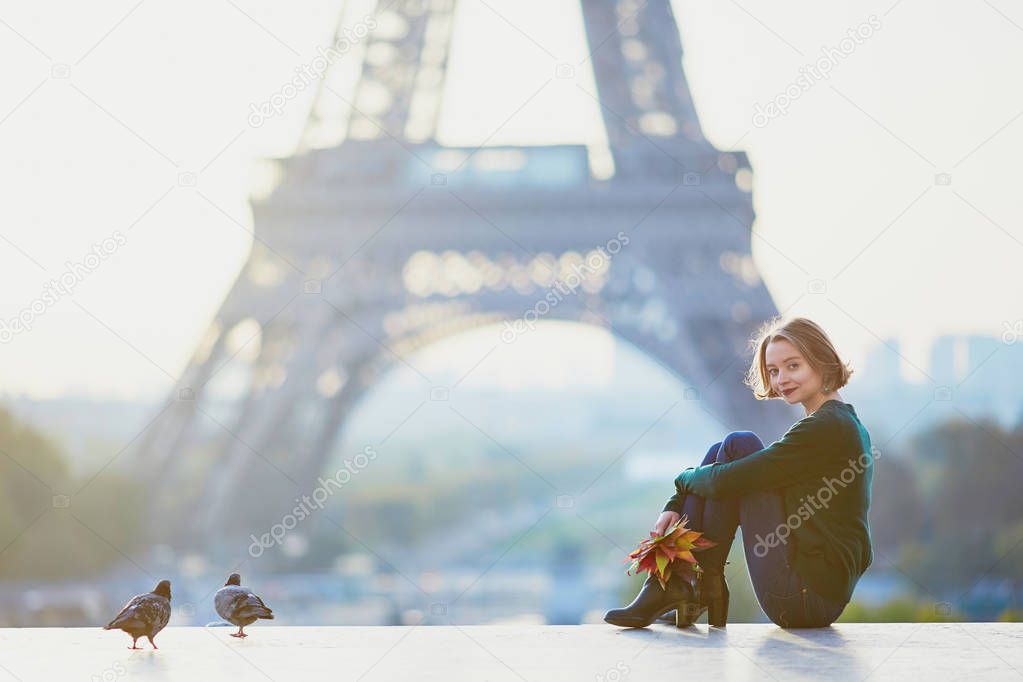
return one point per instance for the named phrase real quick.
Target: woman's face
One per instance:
(791, 375)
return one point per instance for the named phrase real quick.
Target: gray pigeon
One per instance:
(144, 615)
(239, 606)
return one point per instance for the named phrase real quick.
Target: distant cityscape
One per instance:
(969, 375)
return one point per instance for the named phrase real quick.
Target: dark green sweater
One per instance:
(823, 466)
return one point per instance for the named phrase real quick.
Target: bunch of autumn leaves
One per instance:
(658, 553)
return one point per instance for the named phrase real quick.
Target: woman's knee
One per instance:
(741, 443)
(712, 454)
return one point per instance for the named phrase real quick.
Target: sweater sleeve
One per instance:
(800, 454)
(676, 501)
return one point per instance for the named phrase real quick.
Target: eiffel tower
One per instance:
(376, 241)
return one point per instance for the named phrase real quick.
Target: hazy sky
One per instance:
(105, 106)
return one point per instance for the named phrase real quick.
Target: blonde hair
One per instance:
(812, 343)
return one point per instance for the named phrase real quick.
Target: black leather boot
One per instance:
(713, 595)
(654, 601)
(690, 610)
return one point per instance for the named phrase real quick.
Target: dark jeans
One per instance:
(782, 594)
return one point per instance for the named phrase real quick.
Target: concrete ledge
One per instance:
(849, 651)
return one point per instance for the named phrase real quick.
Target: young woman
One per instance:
(802, 502)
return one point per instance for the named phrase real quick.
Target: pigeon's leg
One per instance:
(150, 638)
(240, 633)
(134, 643)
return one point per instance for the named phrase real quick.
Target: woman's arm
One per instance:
(675, 502)
(807, 450)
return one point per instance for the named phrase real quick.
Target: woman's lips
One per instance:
(788, 391)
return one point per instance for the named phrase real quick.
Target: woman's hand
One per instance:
(665, 521)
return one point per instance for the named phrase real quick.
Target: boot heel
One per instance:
(687, 612)
(715, 597)
(717, 611)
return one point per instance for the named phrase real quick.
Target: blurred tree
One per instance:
(31, 469)
(969, 472)
(900, 610)
(46, 533)
(1009, 550)
(896, 514)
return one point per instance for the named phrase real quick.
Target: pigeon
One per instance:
(239, 605)
(144, 615)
